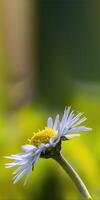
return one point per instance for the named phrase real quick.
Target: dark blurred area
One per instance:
(69, 46)
(49, 59)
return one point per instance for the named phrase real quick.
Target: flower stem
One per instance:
(74, 176)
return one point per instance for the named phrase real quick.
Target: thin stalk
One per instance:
(74, 176)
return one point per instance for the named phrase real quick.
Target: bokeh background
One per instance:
(49, 59)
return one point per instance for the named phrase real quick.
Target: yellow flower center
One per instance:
(42, 137)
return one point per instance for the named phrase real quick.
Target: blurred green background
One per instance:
(49, 59)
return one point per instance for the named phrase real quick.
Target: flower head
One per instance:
(47, 142)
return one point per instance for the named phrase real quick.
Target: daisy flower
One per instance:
(46, 143)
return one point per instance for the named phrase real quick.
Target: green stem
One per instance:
(74, 176)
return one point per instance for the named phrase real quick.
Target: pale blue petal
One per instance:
(76, 118)
(28, 174)
(64, 118)
(79, 121)
(50, 122)
(35, 159)
(65, 131)
(68, 136)
(80, 128)
(56, 122)
(19, 176)
(52, 141)
(29, 148)
(59, 133)
(18, 157)
(69, 120)
(9, 165)
(19, 169)
(57, 141)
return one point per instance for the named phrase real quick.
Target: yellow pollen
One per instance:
(42, 137)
